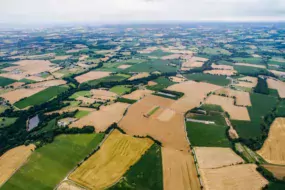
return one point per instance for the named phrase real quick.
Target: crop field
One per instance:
(261, 105)
(216, 51)
(211, 116)
(81, 113)
(216, 157)
(243, 176)
(161, 83)
(6, 121)
(138, 94)
(6, 81)
(139, 76)
(102, 118)
(252, 60)
(69, 185)
(158, 53)
(170, 133)
(151, 66)
(246, 82)
(277, 170)
(272, 150)
(48, 165)
(112, 78)
(92, 75)
(80, 93)
(179, 170)
(121, 89)
(242, 98)
(145, 174)
(245, 70)
(251, 65)
(221, 72)
(213, 79)
(12, 160)
(193, 62)
(278, 85)
(41, 97)
(102, 170)
(48, 83)
(207, 135)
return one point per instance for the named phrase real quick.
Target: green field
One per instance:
(145, 174)
(216, 51)
(121, 89)
(81, 113)
(41, 97)
(211, 116)
(80, 93)
(213, 79)
(112, 78)
(244, 70)
(276, 186)
(162, 82)
(27, 81)
(261, 105)
(153, 65)
(50, 164)
(212, 107)
(207, 135)
(252, 60)
(3, 108)
(158, 53)
(6, 121)
(6, 81)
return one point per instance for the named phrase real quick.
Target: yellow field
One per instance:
(109, 164)
(272, 150)
(11, 160)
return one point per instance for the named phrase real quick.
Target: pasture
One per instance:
(121, 89)
(48, 165)
(6, 121)
(41, 97)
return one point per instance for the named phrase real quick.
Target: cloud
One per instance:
(106, 11)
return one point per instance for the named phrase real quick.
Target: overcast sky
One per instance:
(118, 11)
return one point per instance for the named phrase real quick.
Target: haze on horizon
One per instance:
(123, 11)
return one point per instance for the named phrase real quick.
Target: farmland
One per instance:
(161, 83)
(121, 89)
(6, 121)
(213, 79)
(6, 81)
(45, 172)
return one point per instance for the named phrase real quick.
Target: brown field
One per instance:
(18, 94)
(249, 82)
(222, 67)
(277, 170)
(85, 100)
(69, 185)
(148, 50)
(92, 75)
(278, 85)
(124, 66)
(194, 62)
(191, 98)
(103, 95)
(173, 56)
(27, 67)
(238, 177)
(138, 94)
(177, 79)
(278, 73)
(103, 118)
(179, 170)
(17, 84)
(12, 160)
(242, 98)
(236, 112)
(164, 126)
(221, 72)
(216, 157)
(117, 154)
(35, 78)
(47, 83)
(272, 150)
(251, 65)
(139, 76)
(151, 83)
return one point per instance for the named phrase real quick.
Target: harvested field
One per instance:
(27, 67)
(170, 133)
(71, 109)
(238, 177)
(278, 73)
(102, 170)
(177, 79)
(124, 66)
(278, 85)
(103, 95)
(193, 62)
(103, 118)
(17, 84)
(85, 100)
(47, 83)
(248, 82)
(272, 150)
(148, 50)
(172, 56)
(11, 160)
(277, 170)
(236, 112)
(92, 75)
(251, 65)
(139, 76)
(18, 94)
(191, 98)
(221, 72)
(35, 78)
(138, 94)
(216, 157)
(179, 170)
(242, 98)
(69, 185)
(151, 83)
(222, 67)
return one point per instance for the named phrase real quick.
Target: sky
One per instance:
(125, 11)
